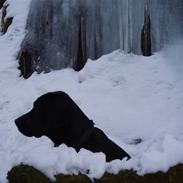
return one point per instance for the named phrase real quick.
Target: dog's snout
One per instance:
(23, 126)
(18, 121)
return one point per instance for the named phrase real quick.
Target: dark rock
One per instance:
(25, 64)
(2, 3)
(26, 174)
(5, 23)
(3, 16)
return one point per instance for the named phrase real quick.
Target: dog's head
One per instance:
(56, 116)
(50, 112)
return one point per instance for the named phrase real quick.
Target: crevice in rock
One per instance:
(25, 64)
(146, 34)
(81, 53)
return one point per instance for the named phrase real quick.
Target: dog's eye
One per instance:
(35, 109)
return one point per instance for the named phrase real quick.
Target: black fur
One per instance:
(57, 116)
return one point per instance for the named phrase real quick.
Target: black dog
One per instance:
(57, 116)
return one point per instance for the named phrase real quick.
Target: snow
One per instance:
(128, 96)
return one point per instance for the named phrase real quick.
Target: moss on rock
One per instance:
(127, 176)
(72, 179)
(28, 174)
(176, 174)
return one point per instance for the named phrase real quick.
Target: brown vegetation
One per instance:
(28, 174)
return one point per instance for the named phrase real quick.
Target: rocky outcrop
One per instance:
(1, 3)
(5, 22)
(25, 64)
(61, 34)
(65, 33)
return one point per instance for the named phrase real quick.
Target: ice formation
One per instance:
(65, 33)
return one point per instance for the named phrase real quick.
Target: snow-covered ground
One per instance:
(128, 96)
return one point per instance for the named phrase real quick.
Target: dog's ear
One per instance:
(55, 117)
(54, 110)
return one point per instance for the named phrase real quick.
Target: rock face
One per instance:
(5, 22)
(1, 3)
(65, 33)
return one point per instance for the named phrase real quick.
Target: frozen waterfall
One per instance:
(64, 33)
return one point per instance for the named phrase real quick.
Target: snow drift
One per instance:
(128, 96)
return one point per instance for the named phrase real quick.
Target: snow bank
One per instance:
(130, 97)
